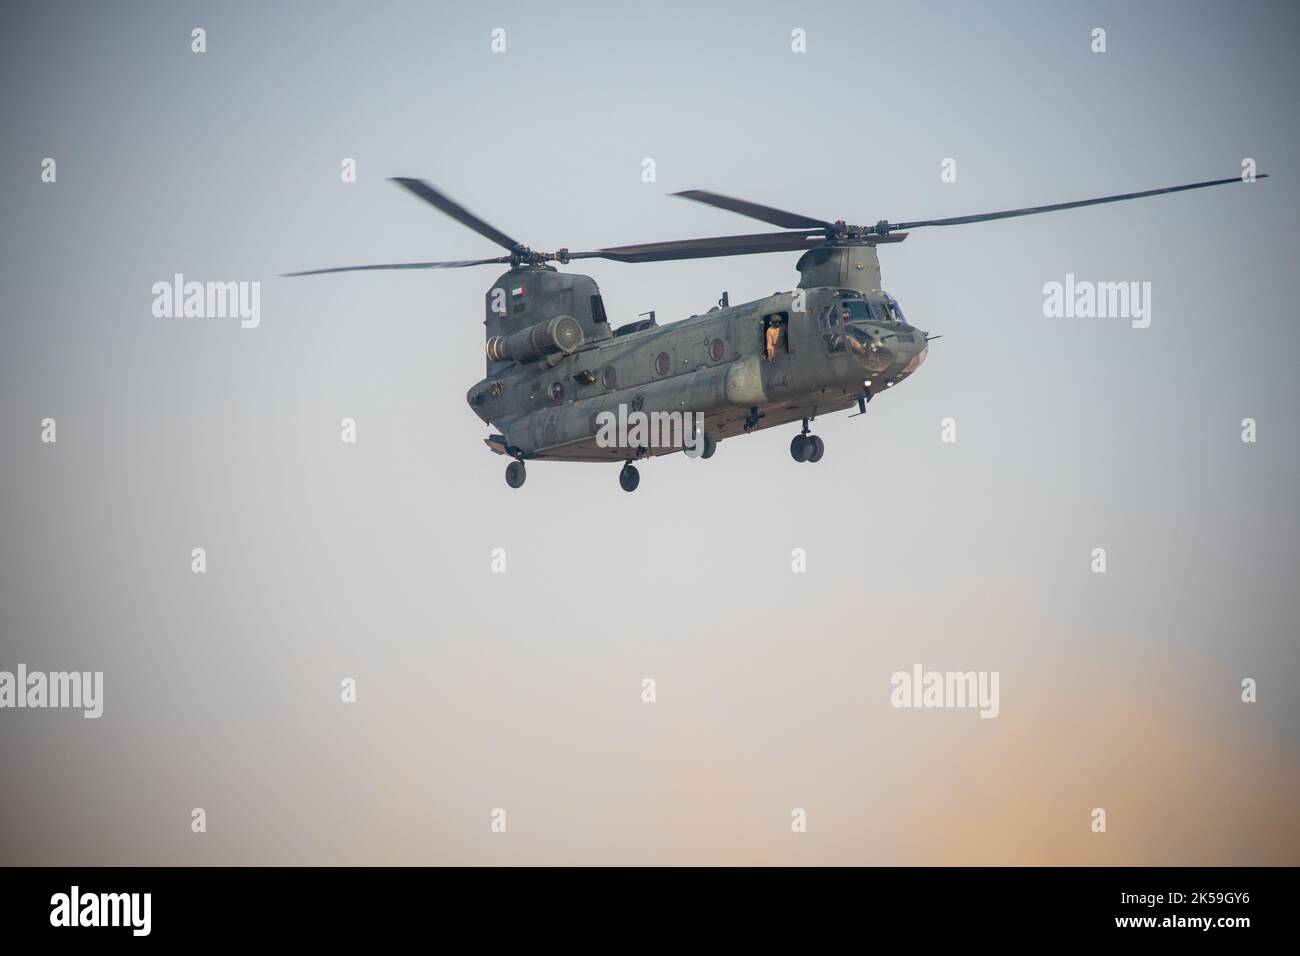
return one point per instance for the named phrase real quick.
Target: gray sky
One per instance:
(522, 691)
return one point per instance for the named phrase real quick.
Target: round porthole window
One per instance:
(717, 348)
(610, 377)
(556, 391)
(663, 363)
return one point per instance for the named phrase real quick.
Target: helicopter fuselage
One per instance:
(834, 347)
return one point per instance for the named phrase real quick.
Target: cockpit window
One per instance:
(856, 309)
(870, 310)
(857, 335)
(895, 313)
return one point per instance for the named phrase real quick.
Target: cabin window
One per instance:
(663, 363)
(610, 378)
(598, 310)
(717, 349)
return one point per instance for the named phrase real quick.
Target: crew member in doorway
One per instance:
(775, 340)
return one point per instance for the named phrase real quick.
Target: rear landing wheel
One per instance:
(515, 474)
(629, 478)
(800, 448)
(818, 448)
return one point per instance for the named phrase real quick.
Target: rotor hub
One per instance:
(521, 256)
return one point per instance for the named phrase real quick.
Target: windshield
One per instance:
(866, 310)
(895, 313)
(857, 335)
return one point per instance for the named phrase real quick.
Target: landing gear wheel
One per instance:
(710, 446)
(818, 448)
(629, 478)
(800, 448)
(515, 474)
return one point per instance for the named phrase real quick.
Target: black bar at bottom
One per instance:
(373, 905)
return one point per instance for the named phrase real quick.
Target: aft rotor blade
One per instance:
(456, 211)
(402, 265)
(1034, 210)
(777, 217)
(707, 248)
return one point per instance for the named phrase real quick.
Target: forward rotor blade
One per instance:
(456, 211)
(707, 248)
(1033, 210)
(401, 265)
(777, 217)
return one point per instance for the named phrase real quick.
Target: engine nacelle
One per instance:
(560, 334)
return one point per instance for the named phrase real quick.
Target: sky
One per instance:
(523, 691)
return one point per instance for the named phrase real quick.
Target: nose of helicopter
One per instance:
(913, 354)
(890, 357)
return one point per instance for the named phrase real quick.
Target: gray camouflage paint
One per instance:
(548, 408)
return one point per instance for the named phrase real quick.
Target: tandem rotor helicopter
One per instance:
(556, 370)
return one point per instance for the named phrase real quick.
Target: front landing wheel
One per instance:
(515, 474)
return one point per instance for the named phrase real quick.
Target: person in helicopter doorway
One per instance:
(775, 339)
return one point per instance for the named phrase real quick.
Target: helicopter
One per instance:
(558, 377)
